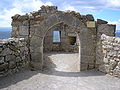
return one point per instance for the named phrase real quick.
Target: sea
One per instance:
(5, 32)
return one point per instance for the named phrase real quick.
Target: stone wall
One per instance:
(102, 28)
(63, 45)
(13, 55)
(111, 55)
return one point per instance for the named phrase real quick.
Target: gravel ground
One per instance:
(58, 75)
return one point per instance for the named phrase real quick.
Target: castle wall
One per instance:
(111, 55)
(13, 55)
(106, 29)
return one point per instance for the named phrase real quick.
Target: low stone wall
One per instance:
(111, 55)
(13, 55)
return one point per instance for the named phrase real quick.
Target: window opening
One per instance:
(72, 40)
(56, 36)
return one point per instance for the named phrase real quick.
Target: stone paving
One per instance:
(54, 79)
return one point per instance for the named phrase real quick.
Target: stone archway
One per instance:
(61, 55)
(51, 21)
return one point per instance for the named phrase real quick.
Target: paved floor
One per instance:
(53, 78)
(61, 61)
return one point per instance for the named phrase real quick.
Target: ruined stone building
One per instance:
(77, 33)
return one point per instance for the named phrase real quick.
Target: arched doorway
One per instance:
(85, 35)
(61, 49)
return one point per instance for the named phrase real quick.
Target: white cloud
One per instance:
(6, 17)
(92, 5)
(30, 4)
(117, 23)
(119, 20)
(19, 8)
(113, 3)
(69, 7)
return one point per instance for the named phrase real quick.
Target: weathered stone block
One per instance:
(100, 21)
(25, 23)
(106, 29)
(7, 51)
(10, 58)
(36, 65)
(36, 49)
(12, 64)
(18, 59)
(90, 17)
(37, 57)
(106, 60)
(1, 49)
(104, 68)
(36, 41)
(3, 66)
(83, 66)
(118, 64)
(23, 17)
(15, 17)
(116, 72)
(23, 30)
(90, 24)
(112, 64)
(1, 60)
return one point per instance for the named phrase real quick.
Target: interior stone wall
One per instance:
(111, 55)
(63, 45)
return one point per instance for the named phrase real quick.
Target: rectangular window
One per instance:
(56, 36)
(72, 40)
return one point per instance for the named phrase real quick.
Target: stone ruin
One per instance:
(77, 33)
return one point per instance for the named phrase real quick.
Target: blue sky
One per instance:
(105, 9)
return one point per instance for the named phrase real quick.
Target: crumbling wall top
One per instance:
(46, 11)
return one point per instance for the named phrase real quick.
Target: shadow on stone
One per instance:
(17, 77)
(48, 63)
(73, 74)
